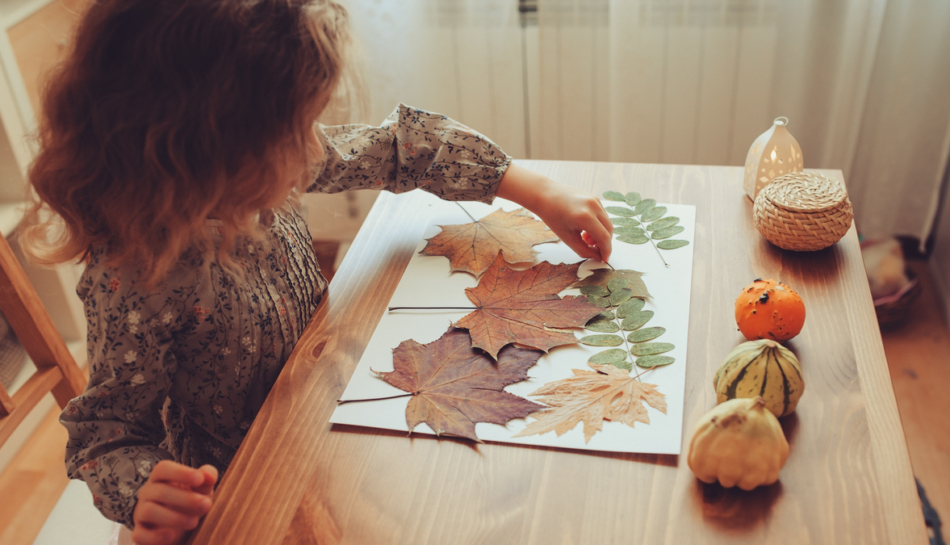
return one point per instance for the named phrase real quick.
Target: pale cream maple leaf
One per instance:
(606, 393)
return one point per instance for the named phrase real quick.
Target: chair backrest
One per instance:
(56, 370)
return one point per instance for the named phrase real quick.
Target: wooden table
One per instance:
(297, 479)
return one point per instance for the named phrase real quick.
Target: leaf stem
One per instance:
(466, 211)
(650, 238)
(345, 401)
(432, 308)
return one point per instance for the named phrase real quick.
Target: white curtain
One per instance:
(865, 83)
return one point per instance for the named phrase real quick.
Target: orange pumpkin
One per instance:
(767, 309)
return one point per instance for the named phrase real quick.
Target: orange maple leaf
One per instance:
(472, 247)
(606, 393)
(453, 386)
(522, 307)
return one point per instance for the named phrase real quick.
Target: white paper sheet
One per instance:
(428, 282)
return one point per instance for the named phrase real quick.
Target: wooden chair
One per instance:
(56, 372)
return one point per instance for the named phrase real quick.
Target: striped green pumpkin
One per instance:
(761, 368)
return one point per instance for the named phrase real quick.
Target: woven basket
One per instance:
(803, 211)
(893, 310)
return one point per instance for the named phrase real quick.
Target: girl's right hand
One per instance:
(171, 503)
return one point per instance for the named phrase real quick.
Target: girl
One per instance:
(173, 141)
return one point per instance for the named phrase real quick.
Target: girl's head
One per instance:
(167, 112)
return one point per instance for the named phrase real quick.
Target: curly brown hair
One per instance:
(167, 112)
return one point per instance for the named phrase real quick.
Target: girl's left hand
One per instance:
(577, 218)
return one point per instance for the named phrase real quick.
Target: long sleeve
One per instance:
(412, 149)
(115, 427)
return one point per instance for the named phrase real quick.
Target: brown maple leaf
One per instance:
(601, 277)
(522, 307)
(453, 386)
(607, 393)
(472, 247)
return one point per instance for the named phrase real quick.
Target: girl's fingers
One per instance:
(210, 478)
(184, 501)
(576, 242)
(171, 472)
(152, 513)
(602, 238)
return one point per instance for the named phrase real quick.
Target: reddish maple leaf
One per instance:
(606, 393)
(521, 307)
(453, 386)
(472, 247)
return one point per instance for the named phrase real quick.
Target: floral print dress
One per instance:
(180, 371)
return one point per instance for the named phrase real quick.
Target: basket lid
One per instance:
(805, 192)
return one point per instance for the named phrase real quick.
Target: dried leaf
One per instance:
(472, 247)
(668, 232)
(668, 221)
(645, 334)
(523, 306)
(613, 196)
(629, 231)
(672, 244)
(601, 277)
(653, 214)
(595, 290)
(633, 239)
(654, 361)
(632, 198)
(612, 356)
(607, 393)
(453, 386)
(620, 211)
(650, 349)
(644, 206)
(602, 326)
(602, 340)
(616, 284)
(624, 222)
(628, 308)
(636, 320)
(620, 296)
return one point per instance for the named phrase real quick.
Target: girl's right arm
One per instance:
(115, 427)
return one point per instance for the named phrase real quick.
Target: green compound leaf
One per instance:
(645, 334)
(668, 221)
(629, 231)
(643, 206)
(603, 326)
(620, 211)
(617, 284)
(602, 340)
(653, 214)
(636, 320)
(599, 301)
(625, 365)
(595, 290)
(601, 277)
(672, 244)
(612, 356)
(620, 296)
(650, 349)
(668, 232)
(654, 361)
(624, 222)
(632, 198)
(605, 315)
(633, 239)
(613, 196)
(630, 307)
